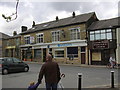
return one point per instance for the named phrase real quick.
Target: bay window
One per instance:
(100, 34)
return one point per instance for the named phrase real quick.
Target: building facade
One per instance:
(104, 41)
(65, 39)
(2, 43)
(11, 46)
(81, 39)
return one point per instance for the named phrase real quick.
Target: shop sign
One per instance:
(64, 45)
(10, 47)
(100, 44)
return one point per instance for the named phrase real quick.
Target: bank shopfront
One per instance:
(63, 52)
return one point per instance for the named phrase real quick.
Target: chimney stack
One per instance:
(23, 28)
(57, 18)
(33, 24)
(73, 14)
(14, 33)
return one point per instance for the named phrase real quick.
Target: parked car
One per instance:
(11, 64)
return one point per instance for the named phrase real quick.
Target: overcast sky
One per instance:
(40, 11)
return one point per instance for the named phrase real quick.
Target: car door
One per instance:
(18, 63)
(9, 64)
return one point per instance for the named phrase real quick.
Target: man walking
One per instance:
(51, 72)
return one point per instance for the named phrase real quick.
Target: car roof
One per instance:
(5, 57)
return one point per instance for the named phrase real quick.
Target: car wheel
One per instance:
(26, 69)
(5, 71)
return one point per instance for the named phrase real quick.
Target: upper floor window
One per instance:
(100, 34)
(75, 33)
(40, 38)
(55, 36)
(27, 39)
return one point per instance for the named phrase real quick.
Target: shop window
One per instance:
(96, 56)
(75, 33)
(40, 38)
(37, 53)
(59, 53)
(72, 51)
(55, 36)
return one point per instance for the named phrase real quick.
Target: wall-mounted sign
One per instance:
(63, 45)
(100, 44)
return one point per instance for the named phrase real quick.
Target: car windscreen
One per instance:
(1, 61)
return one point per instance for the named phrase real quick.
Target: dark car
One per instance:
(11, 64)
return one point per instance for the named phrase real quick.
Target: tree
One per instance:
(10, 17)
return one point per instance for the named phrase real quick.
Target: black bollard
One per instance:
(112, 79)
(79, 80)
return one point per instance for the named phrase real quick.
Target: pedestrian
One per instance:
(33, 86)
(51, 71)
(112, 62)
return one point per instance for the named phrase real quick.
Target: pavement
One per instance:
(78, 65)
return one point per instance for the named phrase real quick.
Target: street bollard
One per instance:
(112, 79)
(79, 81)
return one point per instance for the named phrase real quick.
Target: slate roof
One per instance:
(105, 24)
(61, 22)
(4, 36)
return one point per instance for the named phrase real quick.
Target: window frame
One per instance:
(27, 39)
(39, 38)
(75, 35)
(101, 33)
(55, 36)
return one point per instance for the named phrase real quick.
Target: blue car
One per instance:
(11, 64)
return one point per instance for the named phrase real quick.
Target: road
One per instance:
(91, 77)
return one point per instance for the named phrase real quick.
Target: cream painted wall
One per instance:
(118, 46)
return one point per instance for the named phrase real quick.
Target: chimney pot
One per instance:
(14, 33)
(33, 24)
(73, 14)
(57, 18)
(23, 28)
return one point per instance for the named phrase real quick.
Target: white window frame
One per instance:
(54, 38)
(76, 37)
(25, 39)
(37, 41)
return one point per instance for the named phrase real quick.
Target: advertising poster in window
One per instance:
(32, 40)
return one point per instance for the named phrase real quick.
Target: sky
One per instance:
(43, 11)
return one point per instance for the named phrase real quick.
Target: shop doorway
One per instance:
(105, 57)
(44, 54)
(82, 58)
(83, 55)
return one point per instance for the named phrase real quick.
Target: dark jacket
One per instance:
(33, 87)
(51, 72)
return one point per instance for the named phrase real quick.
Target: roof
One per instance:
(16, 36)
(4, 36)
(61, 22)
(105, 24)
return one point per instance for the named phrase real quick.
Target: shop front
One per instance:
(63, 52)
(101, 50)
